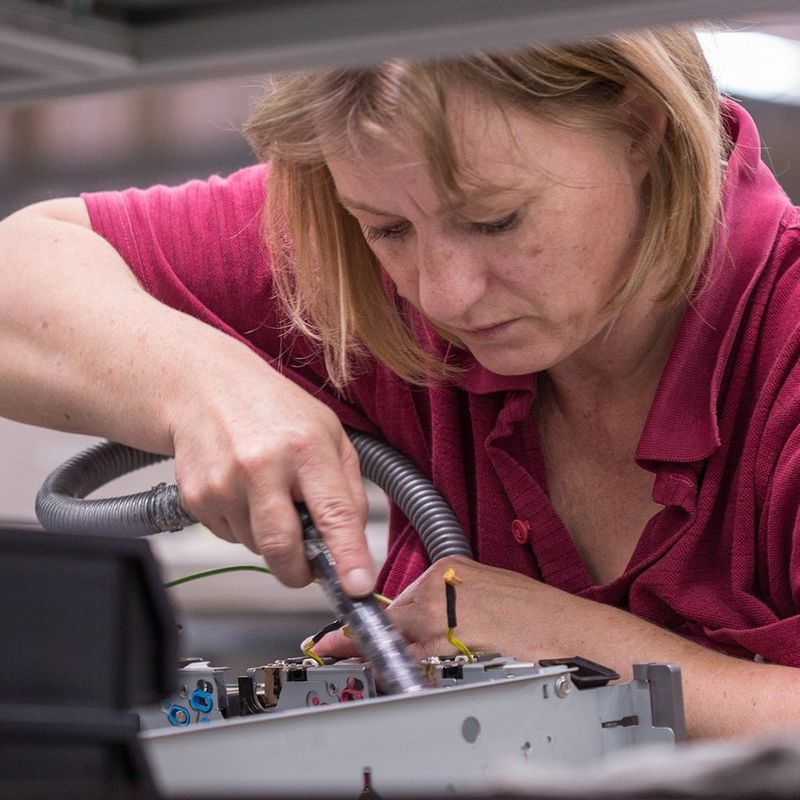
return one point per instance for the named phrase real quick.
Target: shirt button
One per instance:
(520, 529)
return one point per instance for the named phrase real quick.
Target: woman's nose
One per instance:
(451, 279)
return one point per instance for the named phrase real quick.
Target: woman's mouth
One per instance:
(486, 333)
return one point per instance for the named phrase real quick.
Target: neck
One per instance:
(617, 371)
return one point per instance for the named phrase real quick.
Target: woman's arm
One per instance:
(84, 348)
(506, 612)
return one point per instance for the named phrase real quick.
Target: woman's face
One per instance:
(521, 275)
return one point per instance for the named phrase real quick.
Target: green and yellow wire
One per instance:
(196, 576)
(307, 645)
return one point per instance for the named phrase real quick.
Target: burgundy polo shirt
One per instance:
(719, 564)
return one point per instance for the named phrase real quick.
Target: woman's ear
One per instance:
(646, 121)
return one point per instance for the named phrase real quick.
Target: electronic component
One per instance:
(317, 726)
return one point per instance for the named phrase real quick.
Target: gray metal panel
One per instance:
(432, 743)
(82, 53)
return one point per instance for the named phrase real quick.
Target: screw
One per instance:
(562, 687)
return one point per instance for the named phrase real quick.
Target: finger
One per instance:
(237, 519)
(220, 505)
(336, 645)
(351, 469)
(220, 527)
(340, 520)
(277, 535)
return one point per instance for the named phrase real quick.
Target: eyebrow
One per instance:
(455, 208)
(355, 205)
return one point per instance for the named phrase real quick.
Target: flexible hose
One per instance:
(60, 506)
(415, 495)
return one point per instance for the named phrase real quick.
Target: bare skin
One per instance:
(522, 277)
(247, 441)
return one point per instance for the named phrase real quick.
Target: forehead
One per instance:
(487, 149)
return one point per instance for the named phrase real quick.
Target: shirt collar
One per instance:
(682, 425)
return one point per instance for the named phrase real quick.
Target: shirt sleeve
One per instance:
(777, 561)
(199, 248)
(763, 614)
(195, 247)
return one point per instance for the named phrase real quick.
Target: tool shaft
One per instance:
(378, 641)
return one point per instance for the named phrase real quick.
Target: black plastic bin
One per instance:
(86, 633)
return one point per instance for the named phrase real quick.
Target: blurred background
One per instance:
(52, 145)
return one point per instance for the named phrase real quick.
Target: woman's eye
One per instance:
(501, 225)
(374, 234)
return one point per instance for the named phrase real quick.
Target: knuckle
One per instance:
(269, 516)
(277, 548)
(192, 496)
(362, 507)
(451, 562)
(217, 483)
(335, 514)
(250, 460)
(283, 554)
(305, 444)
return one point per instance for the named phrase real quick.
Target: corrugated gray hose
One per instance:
(60, 506)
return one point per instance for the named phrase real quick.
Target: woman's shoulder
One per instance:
(243, 190)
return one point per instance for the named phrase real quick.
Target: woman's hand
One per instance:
(517, 616)
(86, 349)
(495, 611)
(248, 447)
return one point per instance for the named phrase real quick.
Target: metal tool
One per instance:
(378, 641)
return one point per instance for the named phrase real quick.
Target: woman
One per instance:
(559, 279)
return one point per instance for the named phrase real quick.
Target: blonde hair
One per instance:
(326, 275)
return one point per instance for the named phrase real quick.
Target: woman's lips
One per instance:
(486, 332)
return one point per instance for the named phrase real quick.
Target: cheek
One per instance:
(402, 273)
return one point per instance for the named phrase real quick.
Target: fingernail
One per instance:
(359, 582)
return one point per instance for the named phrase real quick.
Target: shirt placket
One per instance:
(513, 450)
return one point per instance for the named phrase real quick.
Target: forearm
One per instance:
(83, 347)
(724, 696)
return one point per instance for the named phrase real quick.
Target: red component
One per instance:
(312, 699)
(352, 691)
(521, 529)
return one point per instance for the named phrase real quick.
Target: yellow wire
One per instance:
(459, 645)
(308, 650)
(451, 578)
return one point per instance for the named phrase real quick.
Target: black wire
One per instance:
(450, 594)
(329, 628)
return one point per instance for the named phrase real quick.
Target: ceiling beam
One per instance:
(67, 54)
